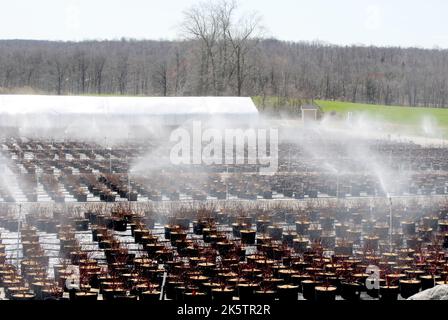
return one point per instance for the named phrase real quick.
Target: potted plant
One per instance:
(288, 292)
(246, 290)
(350, 289)
(409, 287)
(151, 294)
(308, 288)
(223, 294)
(325, 293)
(390, 291)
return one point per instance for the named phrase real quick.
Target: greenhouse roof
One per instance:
(160, 106)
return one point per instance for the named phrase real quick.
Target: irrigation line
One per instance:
(169, 205)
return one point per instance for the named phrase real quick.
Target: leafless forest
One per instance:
(221, 53)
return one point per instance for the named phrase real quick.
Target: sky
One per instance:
(405, 23)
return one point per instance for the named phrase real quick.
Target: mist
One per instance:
(336, 147)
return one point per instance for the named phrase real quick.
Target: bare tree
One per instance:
(161, 77)
(82, 66)
(201, 23)
(243, 39)
(98, 67)
(179, 72)
(122, 71)
(225, 39)
(60, 68)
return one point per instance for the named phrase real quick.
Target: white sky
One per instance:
(380, 22)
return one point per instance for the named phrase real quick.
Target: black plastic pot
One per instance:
(351, 291)
(308, 287)
(150, 296)
(246, 291)
(82, 224)
(325, 294)
(389, 293)
(262, 225)
(275, 232)
(288, 292)
(302, 227)
(111, 294)
(374, 289)
(300, 245)
(248, 236)
(409, 287)
(429, 281)
(23, 296)
(265, 296)
(222, 295)
(85, 296)
(119, 225)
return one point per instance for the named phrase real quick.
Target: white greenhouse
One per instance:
(171, 110)
(86, 117)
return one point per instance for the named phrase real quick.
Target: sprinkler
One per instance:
(389, 196)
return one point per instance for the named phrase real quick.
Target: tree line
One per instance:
(224, 53)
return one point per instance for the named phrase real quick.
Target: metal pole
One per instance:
(129, 183)
(129, 178)
(110, 161)
(390, 223)
(289, 159)
(337, 185)
(18, 234)
(227, 183)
